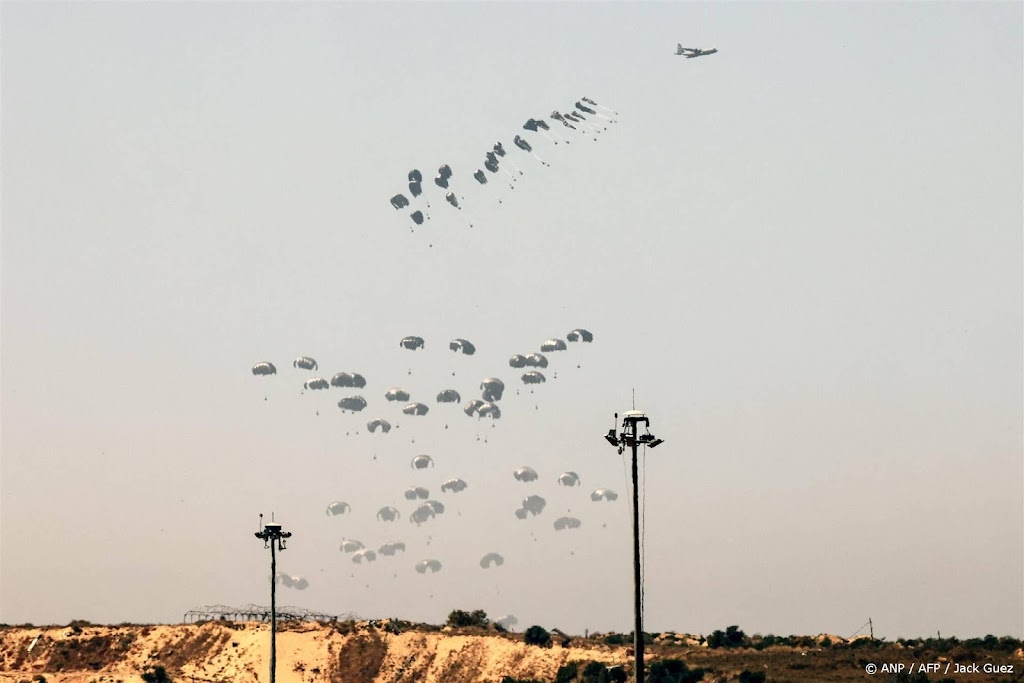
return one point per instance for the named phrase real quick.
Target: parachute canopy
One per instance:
(525, 474)
(383, 425)
(534, 504)
(563, 523)
(388, 514)
(533, 377)
(421, 514)
(422, 462)
(517, 361)
(348, 379)
(579, 334)
(454, 486)
(569, 479)
(364, 554)
(491, 560)
(428, 565)
(399, 201)
(316, 383)
(397, 394)
(603, 494)
(412, 343)
(416, 492)
(463, 345)
(349, 545)
(449, 396)
(490, 410)
(389, 549)
(305, 363)
(553, 345)
(264, 369)
(338, 508)
(353, 403)
(296, 582)
(536, 360)
(416, 409)
(492, 388)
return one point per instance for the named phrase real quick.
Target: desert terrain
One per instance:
(391, 651)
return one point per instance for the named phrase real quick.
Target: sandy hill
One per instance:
(398, 652)
(306, 652)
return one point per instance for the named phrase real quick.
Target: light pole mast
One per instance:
(631, 437)
(272, 533)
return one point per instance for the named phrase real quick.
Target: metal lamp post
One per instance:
(630, 436)
(271, 533)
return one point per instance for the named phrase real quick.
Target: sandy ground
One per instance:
(385, 652)
(306, 653)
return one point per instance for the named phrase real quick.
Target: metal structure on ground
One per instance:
(272, 532)
(630, 437)
(245, 613)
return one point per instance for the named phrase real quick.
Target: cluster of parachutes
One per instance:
(491, 388)
(427, 510)
(584, 119)
(422, 508)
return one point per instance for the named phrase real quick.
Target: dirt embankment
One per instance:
(398, 652)
(226, 652)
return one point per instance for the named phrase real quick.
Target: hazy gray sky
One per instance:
(803, 252)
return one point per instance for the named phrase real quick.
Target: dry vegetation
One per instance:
(399, 652)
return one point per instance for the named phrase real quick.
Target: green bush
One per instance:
(592, 672)
(537, 635)
(460, 619)
(615, 639)
(731, 637)
(566, 673)
(155, 674)
(674, 671)
(752, 677)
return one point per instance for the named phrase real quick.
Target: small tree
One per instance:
(731, 637)
(460, 619)
(156, 674)
(537, 635)
(566, 673)
(674, 671)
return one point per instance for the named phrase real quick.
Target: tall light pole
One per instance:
(630, 436)
(271, 533)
